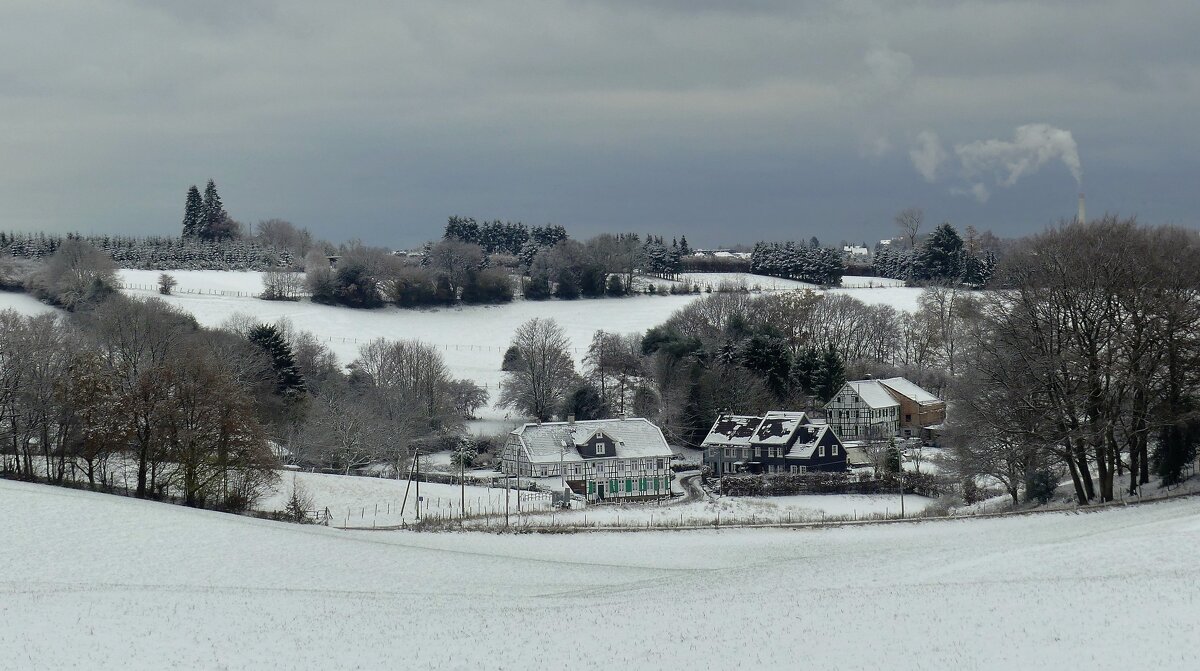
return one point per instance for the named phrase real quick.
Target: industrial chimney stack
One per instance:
(1082, 214)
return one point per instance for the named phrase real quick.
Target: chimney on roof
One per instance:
(571, 420)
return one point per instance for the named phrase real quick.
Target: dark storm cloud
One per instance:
(771, 119)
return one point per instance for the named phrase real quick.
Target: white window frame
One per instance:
(820, 450)
(600, 447)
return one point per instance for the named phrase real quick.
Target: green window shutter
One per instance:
(591, 487)
(628, 485)
(656, 484)
(642, 485)
(612, 486)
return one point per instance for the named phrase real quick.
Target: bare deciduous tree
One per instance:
(545, 373)
(909, 222)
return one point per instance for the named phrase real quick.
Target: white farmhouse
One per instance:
(603, 459)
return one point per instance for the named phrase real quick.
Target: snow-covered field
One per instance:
(93, 581)
(23, 303)
(727, 510)
(376, 502)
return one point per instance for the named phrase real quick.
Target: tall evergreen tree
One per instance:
(214, 213)
(289, 380)
(941, 258)
(193, 213)
(831, 376)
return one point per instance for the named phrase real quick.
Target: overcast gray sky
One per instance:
(729, 122)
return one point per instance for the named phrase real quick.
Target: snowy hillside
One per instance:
(94, 581)
(472, 338)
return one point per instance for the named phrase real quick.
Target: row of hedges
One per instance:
(820, 482)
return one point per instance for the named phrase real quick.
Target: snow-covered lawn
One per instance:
(98, 582)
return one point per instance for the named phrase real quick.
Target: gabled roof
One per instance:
(777, 427)
(873, 393)
(733, 430)
(909, 390)
(806, 444)
(634, 438)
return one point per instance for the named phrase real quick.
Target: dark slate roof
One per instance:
(733, 430)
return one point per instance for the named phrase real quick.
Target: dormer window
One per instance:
(600, 447)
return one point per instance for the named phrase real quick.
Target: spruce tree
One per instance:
(289, 380)
(214, 213)
(193, 213)
(831, 376)
(941, 258)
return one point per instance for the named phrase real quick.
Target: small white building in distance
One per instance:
(855, 250)
(602, 460)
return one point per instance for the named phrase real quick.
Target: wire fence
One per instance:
(193, 292)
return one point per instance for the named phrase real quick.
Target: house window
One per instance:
(660, 464)
(793, 469)
(757, 451)
(839, 399)
(821, 451)
(908, 418)
(745, 453)
(803, 469)
(543, 471)
(834, 450)
(600, 448)
(600, 467)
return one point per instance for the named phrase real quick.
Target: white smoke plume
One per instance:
(927, 156)
(1033, 146)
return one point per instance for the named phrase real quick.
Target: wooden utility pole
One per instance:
(417, 472)
(462, 487)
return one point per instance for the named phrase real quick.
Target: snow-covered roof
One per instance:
(873, 393)
(777, 427)
(910, 390)
(806, 444)
(733, 430)
(857, 457)
(634, 438)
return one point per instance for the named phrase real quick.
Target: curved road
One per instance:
(689, 481)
